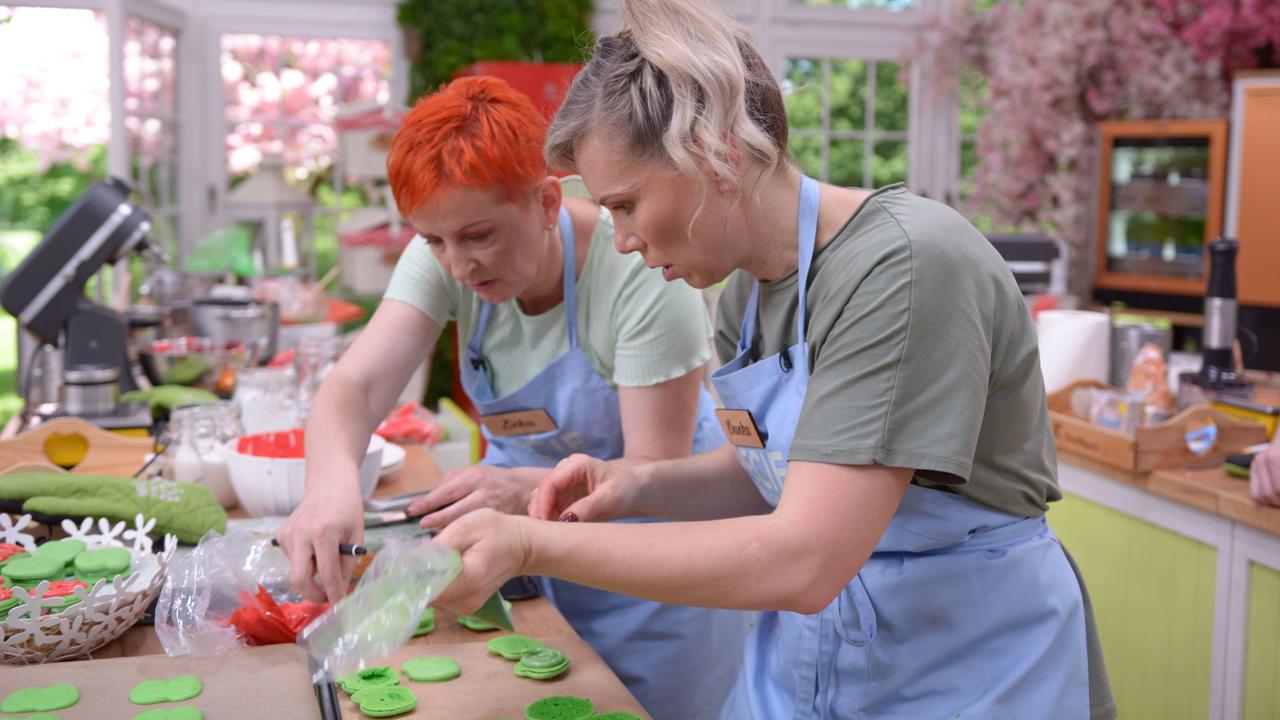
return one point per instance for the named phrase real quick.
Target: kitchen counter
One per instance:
(1207, 488)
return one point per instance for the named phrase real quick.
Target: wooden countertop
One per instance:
(536, 617)
(1209, 489)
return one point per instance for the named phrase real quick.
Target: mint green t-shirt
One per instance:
(636, 329)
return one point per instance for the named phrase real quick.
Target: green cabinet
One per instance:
(1262, 645)
(1153, 596)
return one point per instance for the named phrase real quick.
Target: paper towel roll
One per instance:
(1074, 345)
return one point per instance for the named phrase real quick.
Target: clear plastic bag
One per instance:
(380, 615)
(205, 587)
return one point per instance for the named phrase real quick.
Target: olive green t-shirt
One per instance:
(921, 353)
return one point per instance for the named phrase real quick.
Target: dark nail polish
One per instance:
(569, 517)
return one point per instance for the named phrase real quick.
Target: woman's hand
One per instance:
(310, 538)
(1264, 475)
(471, 488)
(495, 548)
(584, 488)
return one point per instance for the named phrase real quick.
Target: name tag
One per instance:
(521, 422)
(740, 428)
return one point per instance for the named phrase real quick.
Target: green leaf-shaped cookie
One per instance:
(560, 707)
(369, 678)
(186, 712)
(63, 551)
(29, 571)
(178, 689)
(431, 669)
(106, 563)
(40, 699)
(385, 701)
(621, 715)
(512, 647)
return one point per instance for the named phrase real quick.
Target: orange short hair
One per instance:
(475, 132)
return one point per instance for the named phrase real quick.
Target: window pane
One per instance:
(847, 160)
(150, 64)
(968, 158)
(848, 94)
(894, 5)
(889, 163)
(807, 152)
(296, 84)
(891, 97)
(972, 99)
(802, 90)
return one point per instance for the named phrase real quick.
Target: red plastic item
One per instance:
(411, 423)
(263, 621)
(283, 359)
(279, 444)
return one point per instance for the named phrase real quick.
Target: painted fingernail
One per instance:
(569, 517)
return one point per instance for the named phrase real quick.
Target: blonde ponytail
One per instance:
(680, 83)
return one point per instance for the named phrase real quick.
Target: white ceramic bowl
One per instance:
(273, 486)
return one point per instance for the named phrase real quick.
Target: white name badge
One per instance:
(740, 428)
(521, 422)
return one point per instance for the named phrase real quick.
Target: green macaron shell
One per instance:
(184, 712)
(385, 701)
(431, 669)
(64, 551)
(106, 563)
(560, 707)
(512, 647)
(426, 623)
(40, 699)
(621, 715)
(542, 664)
(369, 678)
(176, 689)
(29, 571)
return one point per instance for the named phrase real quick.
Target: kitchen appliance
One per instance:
(254, 324)
(45, 293)
(90, 390)
(1218, 375)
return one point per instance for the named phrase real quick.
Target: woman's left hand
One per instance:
(494, 549)
(471, 488)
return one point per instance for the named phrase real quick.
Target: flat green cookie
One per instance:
(426, 623)
(385, 701)
(185, 712)
(560, 707)
(512, 647)
(178, 689)
(431, 669)
(41, 699)
(475, 624)
(64, 551)
(107, 563)
(617, 716)
(369, 678)
(29, 571)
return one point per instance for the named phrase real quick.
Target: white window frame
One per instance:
(367, 20)
(782, 29)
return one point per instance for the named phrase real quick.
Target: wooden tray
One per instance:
(262, 682)
(75, 444)
(488, 687)
(1152, 447)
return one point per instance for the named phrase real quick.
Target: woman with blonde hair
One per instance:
(570, 347)
(884, 498)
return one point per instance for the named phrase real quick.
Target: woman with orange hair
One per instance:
(571, 348)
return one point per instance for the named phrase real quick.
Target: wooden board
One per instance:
(265, 682)
(488, 687)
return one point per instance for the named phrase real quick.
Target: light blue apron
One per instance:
(962, 611)
(678, 661)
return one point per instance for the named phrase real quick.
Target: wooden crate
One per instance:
(1150, 448)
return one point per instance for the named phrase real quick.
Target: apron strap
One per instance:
(806, 237)
(567, 242)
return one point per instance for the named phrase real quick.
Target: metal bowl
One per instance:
(197, 361)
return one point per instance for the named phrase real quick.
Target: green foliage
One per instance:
(32, 199)
(451, 34)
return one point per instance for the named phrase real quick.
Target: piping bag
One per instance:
(382, 613)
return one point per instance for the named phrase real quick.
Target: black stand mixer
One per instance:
(46, 294)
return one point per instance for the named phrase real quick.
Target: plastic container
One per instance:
(274, 485)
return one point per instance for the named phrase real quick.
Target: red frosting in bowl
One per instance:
(282, 444)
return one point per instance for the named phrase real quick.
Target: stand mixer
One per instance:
(46, 294)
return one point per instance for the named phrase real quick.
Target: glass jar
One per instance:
(314, 360)
(267, 398)
(196, 452)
